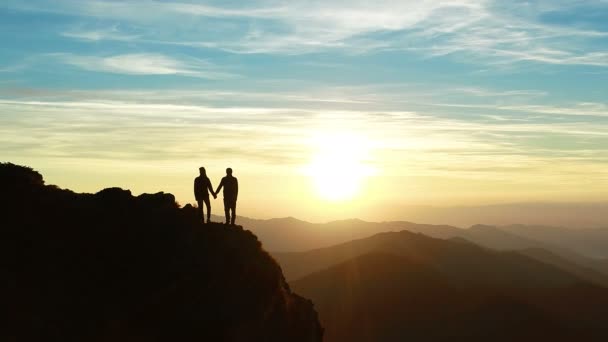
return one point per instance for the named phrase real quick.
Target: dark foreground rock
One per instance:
(114, 267)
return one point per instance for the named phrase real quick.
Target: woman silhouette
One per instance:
(202, 186)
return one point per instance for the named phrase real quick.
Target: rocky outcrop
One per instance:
(113, 267)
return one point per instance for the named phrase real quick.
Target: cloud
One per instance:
(142, 129)
(490, 31)
(143, 64)
(138, 131)
(589, 109)
(487, 30)
(184, 111)
(14, 67)
(112, 33)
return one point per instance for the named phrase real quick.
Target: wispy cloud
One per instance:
(579, 109)
(143, 64)
(192, 107)
(14, 67)
(100, 34)
(138, 128)
(490, 30)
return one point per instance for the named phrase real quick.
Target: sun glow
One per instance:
(337, 168)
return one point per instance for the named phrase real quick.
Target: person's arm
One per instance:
(210, 187)
(219, 187)
(236, 186)
(194, 187)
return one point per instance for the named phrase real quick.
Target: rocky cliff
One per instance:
(113, 267)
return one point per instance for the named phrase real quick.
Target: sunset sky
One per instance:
(324, 109)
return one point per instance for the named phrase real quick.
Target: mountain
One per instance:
(404, 286)
(292, 235)
(592, 242)
(572, 214)
(113, 267)
(580, 268)
(522, 238)
(463, 263)
(487, 236)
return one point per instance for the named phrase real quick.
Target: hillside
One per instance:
(404, 286)
(581, 268)
(589, 242)
(293, 235)
(113, 267)
(466, 263)
(389, 298)
(288, 235)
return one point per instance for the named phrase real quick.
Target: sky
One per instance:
(324, 109)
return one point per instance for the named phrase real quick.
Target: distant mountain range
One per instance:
(585, 249)
(292, 235)
(462, 261)
(396, 281)
(401, 286)
(575, 214)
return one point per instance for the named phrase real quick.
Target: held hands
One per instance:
(214, 195)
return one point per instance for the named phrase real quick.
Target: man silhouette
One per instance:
(202, 186)
(231, 192)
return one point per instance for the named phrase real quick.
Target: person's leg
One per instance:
(201, 215)
(233, 218)
(208, 205)
(227, 210)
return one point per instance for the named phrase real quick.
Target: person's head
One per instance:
(229, 171)
(202, 171)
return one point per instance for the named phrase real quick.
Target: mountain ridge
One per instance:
(278, 235)
(449, 256)
(430, 289)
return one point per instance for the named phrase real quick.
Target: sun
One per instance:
(338, 167)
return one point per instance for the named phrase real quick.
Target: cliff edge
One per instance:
(113, 267)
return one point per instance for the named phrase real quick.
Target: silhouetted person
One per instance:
(202, 187)
(231, 192)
